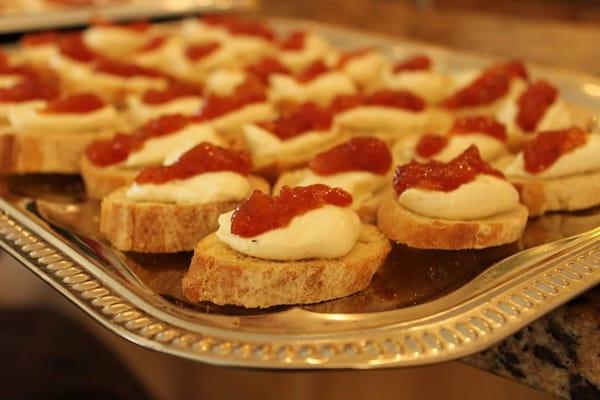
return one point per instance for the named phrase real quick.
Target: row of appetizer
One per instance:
(287, 165)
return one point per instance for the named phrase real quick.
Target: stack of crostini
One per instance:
(288, 166)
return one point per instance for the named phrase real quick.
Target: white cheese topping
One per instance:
(432, 86)
(489, 147)
(326, 232)
(579, 161)
(223, 82)
(195, 31)
(322, 89)
(156, 149)
(199, 189)
(141, 112)
(9, 80)
(360, 184)
(557, 116)
(263, 143)
(379, 118)
(164, 57)
(483, 197)
(114, 41)
(236, 119)
(8, 108)
(366, 69)
(315, 48)
(27, 119)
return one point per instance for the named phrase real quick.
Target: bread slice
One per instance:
(404, 226)
(222, 275)
(52, 153)
(101, 181)
(570, 193)
(153, 227)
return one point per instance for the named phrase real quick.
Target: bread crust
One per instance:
(404, 226)
(570, 193)
(101, 181)
(222, 275)
(153, 227)
(52, 153)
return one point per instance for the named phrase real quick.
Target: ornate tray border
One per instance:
(555, 273)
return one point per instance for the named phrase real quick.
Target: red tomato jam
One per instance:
(417, 63)
(294, 42)
(261, 213)
(429, 145)
(20, 70)
(72, 46)
(348, 56)
(303, 118)
(358, 154)
(445, 177)
(173, 91)
(107, 152)
(396, 99)
(479, 124)
(490, 86)
(313, 71)
(126, 70)
(250, 91)
(533, 103)
(540, 153)
(266, 67)
(75, 104)
(153, 44)
(39, 39)
(199, 51)
(202, 158)
(346, 102)
(238, 26)
(27, 90)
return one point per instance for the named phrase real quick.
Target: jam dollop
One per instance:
(39, 39)
(348, 56)
(533, 103)
(542, 152)
(248, 92)
(303, 118)
(126, 70)
(199, 51)
(82, 103)
(20, 70)
(438, 176)
(313, 71)
(396, 99)
(430, 145)
(358, 154)
(238, 26)
(72, 46)
(28, 90)
(202, 158)
(419, 62)
(111, 151)
(294, 41)
(479, 124)
(266, 67)
(174, 91)
(491, 85)
(261, 213)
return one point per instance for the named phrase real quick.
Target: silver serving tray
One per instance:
(422, 306)
(16, 21)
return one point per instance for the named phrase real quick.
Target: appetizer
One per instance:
(558, 170)
(463, 204)
(169, 208)
(305, 245)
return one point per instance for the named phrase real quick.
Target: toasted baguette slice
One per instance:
(101, 181)
(367, 210)
(404, 226)
(222, 275)
(52, 153)
(570, 193)
(153, 227)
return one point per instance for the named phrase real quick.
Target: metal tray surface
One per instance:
(422, 306)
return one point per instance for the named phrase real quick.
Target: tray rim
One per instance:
(455, 336)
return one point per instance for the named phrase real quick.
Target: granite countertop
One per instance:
(560, 353)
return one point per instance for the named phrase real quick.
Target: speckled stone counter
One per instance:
(558, 354)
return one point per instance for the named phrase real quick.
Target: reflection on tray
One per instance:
(410, 276)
